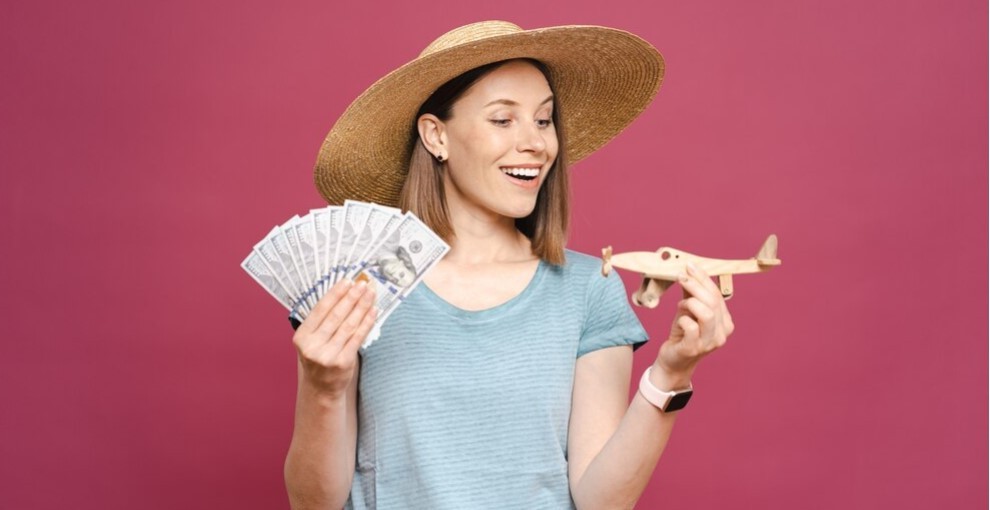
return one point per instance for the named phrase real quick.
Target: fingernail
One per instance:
(682, 277)
(692, 268)
(362, 284)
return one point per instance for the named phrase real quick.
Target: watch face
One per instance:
(678, 401)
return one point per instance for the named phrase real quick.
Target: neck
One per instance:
(482, 237)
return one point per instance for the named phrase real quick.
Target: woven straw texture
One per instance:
(603, 77)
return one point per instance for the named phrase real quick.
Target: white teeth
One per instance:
(522, 172)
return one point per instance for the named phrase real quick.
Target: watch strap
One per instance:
(666, 401)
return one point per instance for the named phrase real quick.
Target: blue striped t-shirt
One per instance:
(469, 409)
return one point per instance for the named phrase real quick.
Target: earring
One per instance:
(440, 158)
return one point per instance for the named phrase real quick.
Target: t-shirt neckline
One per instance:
(488, 313)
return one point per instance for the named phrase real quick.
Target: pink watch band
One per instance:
(654, 395)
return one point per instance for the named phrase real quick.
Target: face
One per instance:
(501, 142)
(396, 271)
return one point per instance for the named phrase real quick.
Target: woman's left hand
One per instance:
(702, 324)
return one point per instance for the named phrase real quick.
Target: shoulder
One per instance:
(579, 264)
(585, 271)
(582, 275)
(582, 259)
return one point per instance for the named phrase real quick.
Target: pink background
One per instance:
(145, 148)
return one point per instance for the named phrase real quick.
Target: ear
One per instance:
(433, 134)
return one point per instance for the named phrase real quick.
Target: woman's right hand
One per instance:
(329, 338)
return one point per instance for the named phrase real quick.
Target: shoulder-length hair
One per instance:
(423, 191)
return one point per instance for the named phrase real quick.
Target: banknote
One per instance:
(327, 223)
(388, 220)
(262, 273)
(297, 262)
(302, 256)
(337, 229)
(285, 250)
(320, 230)
(306, 253)
(270, 255)
(380, 223)
(399, 262)
(355, 216)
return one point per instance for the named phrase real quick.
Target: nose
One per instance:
(532, 138)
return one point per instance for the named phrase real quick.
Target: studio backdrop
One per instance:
(145, 147)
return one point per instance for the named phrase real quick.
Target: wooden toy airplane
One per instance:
(660, 269)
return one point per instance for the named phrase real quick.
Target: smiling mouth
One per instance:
(523, 174)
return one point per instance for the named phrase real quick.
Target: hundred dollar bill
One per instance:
(381, 222)
(270, 255)
(286, 251)
(296, 250)
(398, 263)
(275, 243)
(355, 216)
(326, 221)
(255, 266)
(307, 254)
(337, 235)
(394, 217)
(318, 220)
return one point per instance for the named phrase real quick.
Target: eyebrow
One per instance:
(509, 102)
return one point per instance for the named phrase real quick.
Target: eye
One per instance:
(544, 123)
(501, 122)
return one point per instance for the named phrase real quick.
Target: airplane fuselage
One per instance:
(668, 263)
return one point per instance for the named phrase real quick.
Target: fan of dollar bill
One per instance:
(298, 262)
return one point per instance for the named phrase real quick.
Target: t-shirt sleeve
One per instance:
(609, 319)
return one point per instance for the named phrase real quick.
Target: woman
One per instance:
(502, 381)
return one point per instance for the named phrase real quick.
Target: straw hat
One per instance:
(603, 79)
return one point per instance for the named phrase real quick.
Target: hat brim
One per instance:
(603, 79)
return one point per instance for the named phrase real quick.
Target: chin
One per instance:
(518, 211)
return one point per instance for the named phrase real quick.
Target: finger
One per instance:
(341, 310)
(690, 329)
(704, 278)
(704, 316)
(330, 350)
(353, 319)
(702, 286)
(696, 287)
(346, 346)
(323, 307)
(343, 351)
(361, 333)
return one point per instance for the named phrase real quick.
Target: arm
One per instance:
(319, 467)
(613, 447)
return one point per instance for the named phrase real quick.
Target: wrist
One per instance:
(669, 380)
(321, 396)
(666, 400)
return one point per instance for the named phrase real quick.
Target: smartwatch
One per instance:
(665, 401)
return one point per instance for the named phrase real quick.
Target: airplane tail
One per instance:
(768, 252)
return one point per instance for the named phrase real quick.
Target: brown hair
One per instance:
(423, 191)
